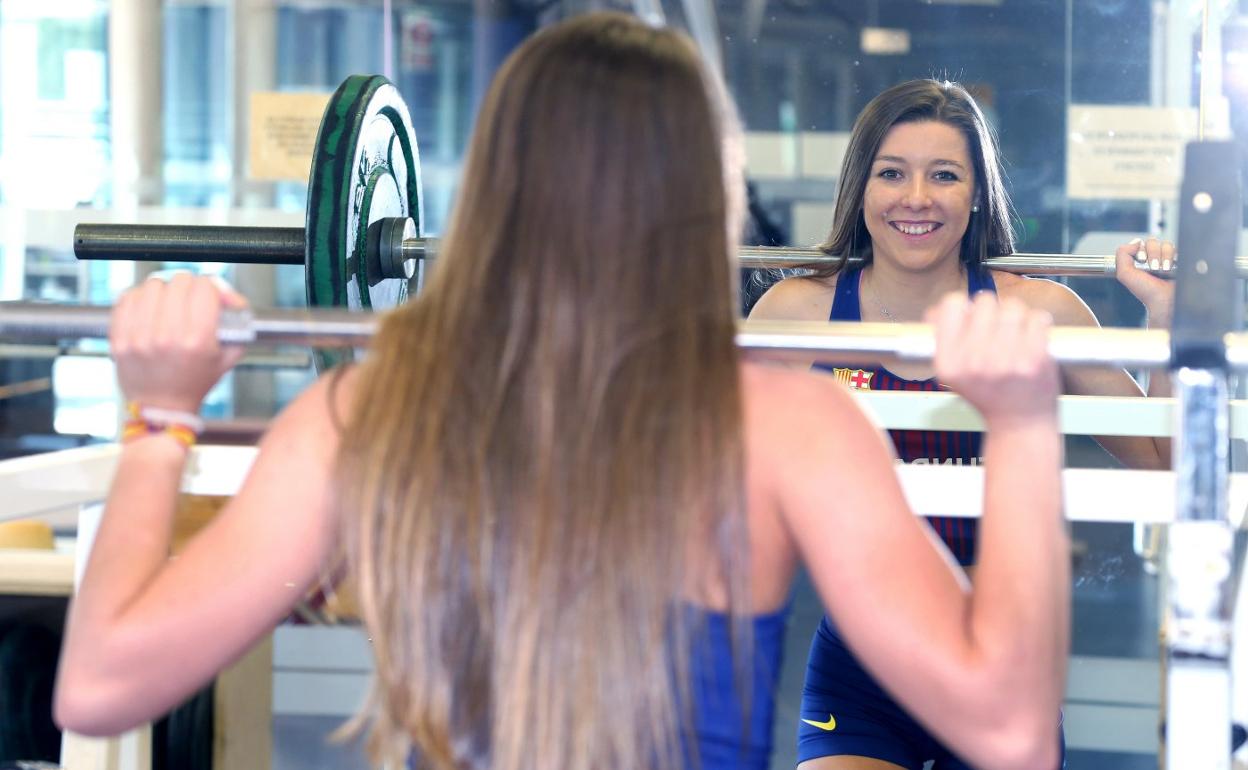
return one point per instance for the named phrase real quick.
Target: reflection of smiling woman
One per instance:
(921, 199)
(918, 202)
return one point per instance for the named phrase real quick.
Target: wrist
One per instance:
(181, 406)
(1155, 318)
(157, 449)
(146, 421)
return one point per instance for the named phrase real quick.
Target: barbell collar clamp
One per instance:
(386, 238)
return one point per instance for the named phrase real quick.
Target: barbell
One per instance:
(364, 189)
(785, 340)
(364, 201)
(363, 243)
(394, 254)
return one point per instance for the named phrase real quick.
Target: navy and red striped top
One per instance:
(916, 446)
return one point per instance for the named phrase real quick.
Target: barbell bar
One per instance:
(788, 340)
(49, 352)
(395, 257)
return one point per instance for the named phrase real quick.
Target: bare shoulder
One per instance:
(313, 420)
(1064, 305)
(764, 385)
(774, 400)
(798, 299)
(806, 434)
(783, 406)
(302, 442)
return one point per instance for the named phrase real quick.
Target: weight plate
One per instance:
(365, 167)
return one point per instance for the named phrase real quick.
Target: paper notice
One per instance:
(283, 134)
(1126, 153)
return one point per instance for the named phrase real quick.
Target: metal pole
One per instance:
(802, 340)
(285, 246)
(35, 322)
(281, 361)
(186, 243)
(1197, 637)
(1027, 264)
(1196, 630)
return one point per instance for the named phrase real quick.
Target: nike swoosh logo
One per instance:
(829, 725)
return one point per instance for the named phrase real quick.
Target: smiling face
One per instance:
(917, 202)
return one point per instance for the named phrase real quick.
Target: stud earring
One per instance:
(975, 209)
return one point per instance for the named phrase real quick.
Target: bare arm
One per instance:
(145, 631)
(983, 668)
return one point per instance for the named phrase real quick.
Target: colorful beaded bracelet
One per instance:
(146, 421)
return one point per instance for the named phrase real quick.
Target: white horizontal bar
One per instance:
(1078, 415)
(35, 572)
(38, 484)
(806, 341)
(32, 485)
(217, 470)
(1090, 494)
(41, 483)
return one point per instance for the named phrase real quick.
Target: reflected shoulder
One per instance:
(1059, 300)
(799, 298)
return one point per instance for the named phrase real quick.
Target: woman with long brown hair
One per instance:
(572, 511)
(922, 201)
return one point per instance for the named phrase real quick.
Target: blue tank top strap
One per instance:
(980, 280)
(845, 305)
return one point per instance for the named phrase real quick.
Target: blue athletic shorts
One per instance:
(846, 713)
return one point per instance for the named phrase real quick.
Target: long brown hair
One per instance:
(538, 439)
(989, 232)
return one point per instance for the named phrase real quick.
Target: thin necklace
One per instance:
(883, 310)
(876, 299)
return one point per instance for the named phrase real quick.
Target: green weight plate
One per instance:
(365, 167)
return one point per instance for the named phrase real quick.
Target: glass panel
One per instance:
(54, 156)
(198, 168)
(801, 77)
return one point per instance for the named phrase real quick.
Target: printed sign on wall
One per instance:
(283, 134)
(1126, 153)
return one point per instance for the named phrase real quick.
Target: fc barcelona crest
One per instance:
(857, 379)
